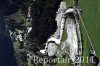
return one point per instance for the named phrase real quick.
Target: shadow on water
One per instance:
(43, 20)
(6, 47)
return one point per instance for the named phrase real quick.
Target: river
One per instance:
(6, 46)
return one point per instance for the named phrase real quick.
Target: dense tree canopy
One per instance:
(43, 15)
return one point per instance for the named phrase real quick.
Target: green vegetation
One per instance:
(30, 61)
(64, 36)
(91, 11)
(67, 62)
(16, 44)
(69, 2)
(91, 19)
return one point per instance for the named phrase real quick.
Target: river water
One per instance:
(6, 46)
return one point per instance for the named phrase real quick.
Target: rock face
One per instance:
(43, 15)
(6, 46)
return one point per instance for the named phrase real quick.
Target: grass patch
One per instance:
(91, 17)
(64, 36)
(30, 61)
(69, 2)
(16, 44)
